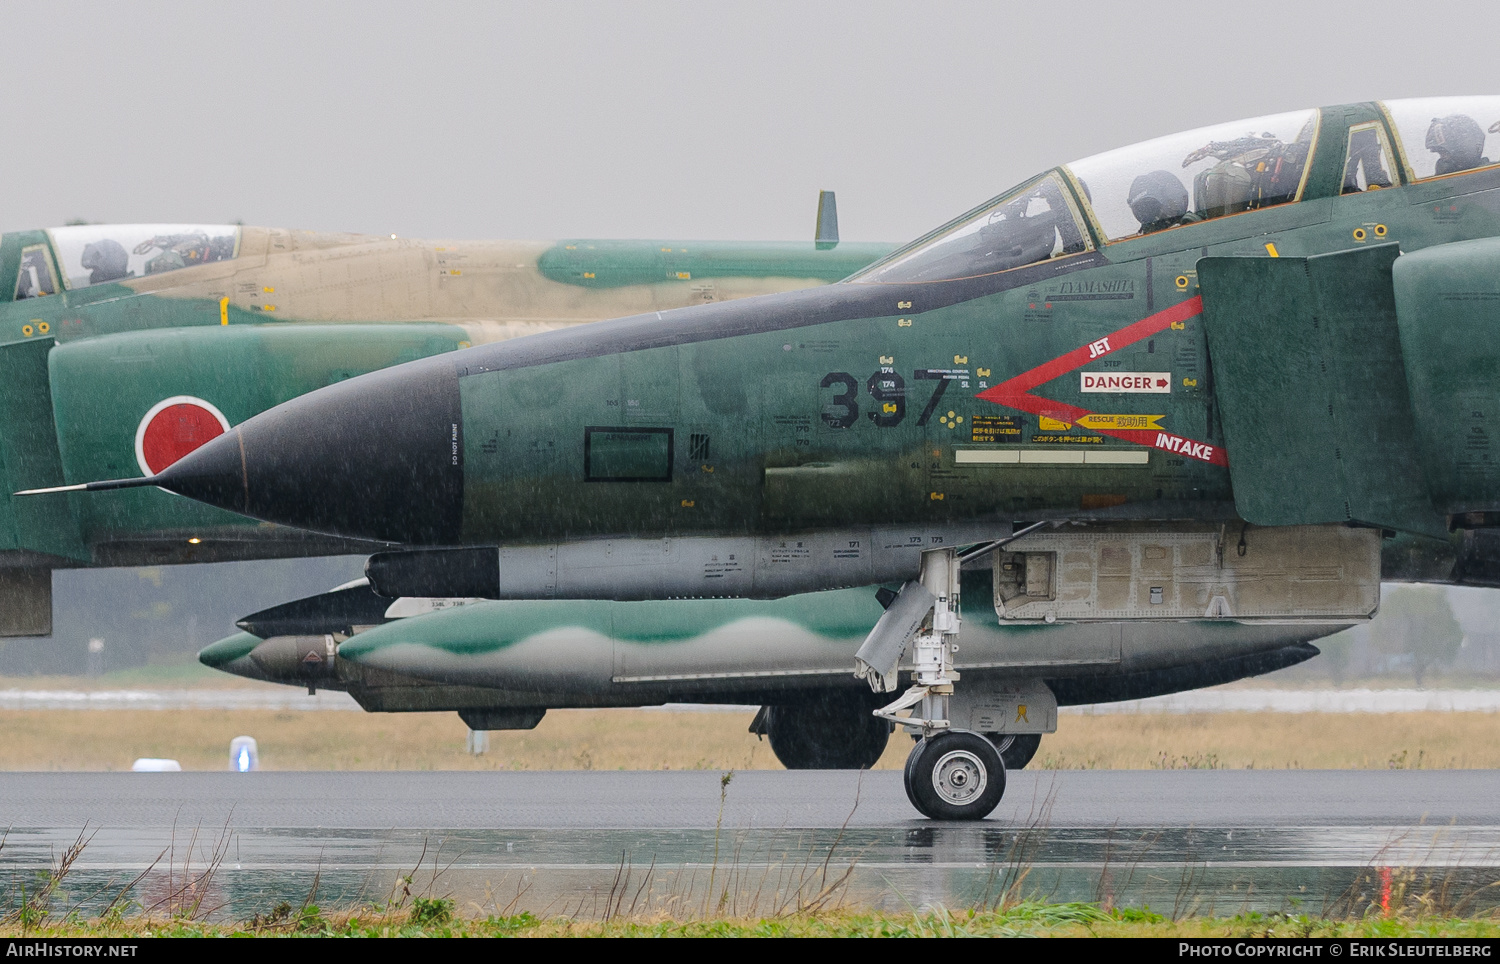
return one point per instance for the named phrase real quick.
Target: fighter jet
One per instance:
(122, 347)
(1207, 377)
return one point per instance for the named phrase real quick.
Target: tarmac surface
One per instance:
(573, 842)
(673, 800)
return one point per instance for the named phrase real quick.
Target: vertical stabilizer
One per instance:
(827, 233)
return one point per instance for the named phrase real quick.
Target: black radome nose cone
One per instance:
(376, 457)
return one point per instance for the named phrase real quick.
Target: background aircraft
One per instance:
(1270, 331)
(124, 346)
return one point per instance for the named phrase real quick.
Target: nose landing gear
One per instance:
(951, 774)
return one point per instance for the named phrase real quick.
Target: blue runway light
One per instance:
(244, 756)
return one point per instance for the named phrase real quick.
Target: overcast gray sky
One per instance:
(682, 120)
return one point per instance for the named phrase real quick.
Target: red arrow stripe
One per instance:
(1016, 392)
(1078, 357)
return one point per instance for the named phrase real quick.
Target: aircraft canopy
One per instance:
(97, 253)
(1195, 176)
(1038, 221)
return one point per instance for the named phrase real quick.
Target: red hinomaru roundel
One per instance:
(172, 428)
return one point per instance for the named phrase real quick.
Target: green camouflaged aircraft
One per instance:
(1227, 378)
(124, 346)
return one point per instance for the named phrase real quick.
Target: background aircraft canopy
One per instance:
(1446, 135)
(1032, 223)
(1197, 175)
(94, 254)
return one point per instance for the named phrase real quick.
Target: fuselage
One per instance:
(1045, 356)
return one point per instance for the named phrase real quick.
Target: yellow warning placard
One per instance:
(1103, 421)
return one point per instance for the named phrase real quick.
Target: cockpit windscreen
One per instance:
(1201, 174)
(1447, 135)
(1035, 223)
(93, 254)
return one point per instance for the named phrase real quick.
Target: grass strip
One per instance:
(658, 740)
(436, 918)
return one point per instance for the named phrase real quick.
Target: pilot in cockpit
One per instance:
(1458, 141)
(106, 260)
(1159, 201)
(1033, 227)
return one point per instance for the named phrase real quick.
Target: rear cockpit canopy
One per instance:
(1446, 135)
(1197, 176)
(92, 254)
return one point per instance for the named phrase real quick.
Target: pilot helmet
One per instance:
(1157, 196)
(1457, 138)
(106, 260)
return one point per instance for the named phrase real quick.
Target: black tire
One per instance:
(955, 776)
(1016, 749)
(906, 771)
(835, 732)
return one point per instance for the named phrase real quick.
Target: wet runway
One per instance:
(575, 842)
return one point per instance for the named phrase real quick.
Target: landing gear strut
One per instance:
(952, 774)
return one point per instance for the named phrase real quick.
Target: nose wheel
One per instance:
(955, 776)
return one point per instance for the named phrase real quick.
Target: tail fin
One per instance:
(827, 233)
